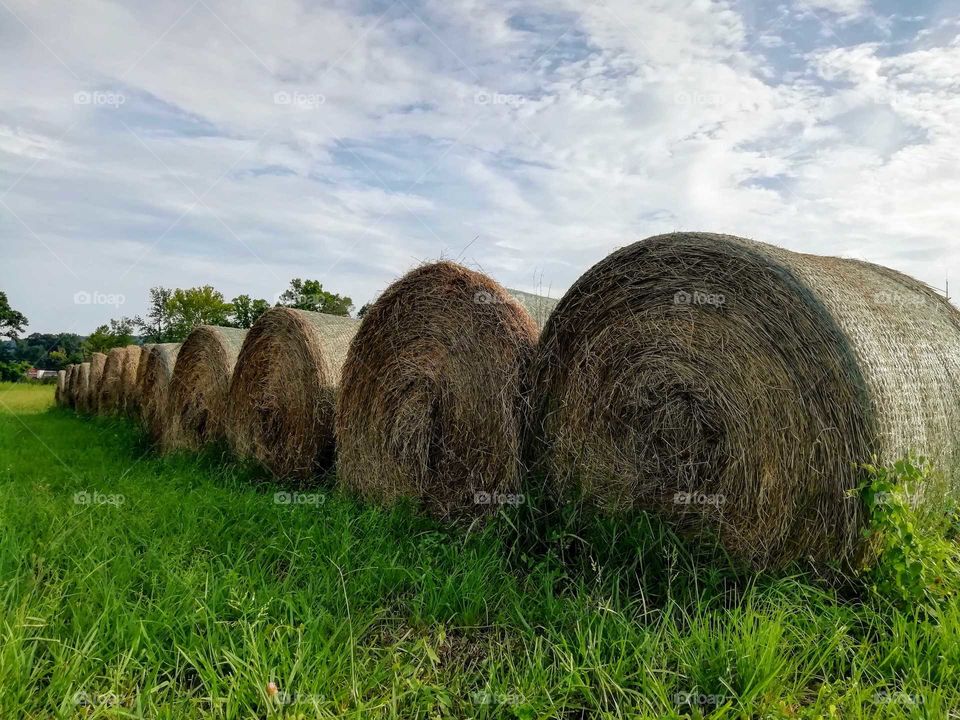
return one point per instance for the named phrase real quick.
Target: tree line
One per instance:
(172, 313)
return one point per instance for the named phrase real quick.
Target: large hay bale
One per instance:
(87, 401)
(432, 399)
(108, 391)
(282, 395)
(141, 370)
(732, 387)
(129, 396)
(200, 385)
(154, 390)
(71, 385)
(83, 386)
(58, 393)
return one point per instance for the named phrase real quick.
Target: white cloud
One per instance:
(538, 136)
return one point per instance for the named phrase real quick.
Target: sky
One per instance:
(241, 144)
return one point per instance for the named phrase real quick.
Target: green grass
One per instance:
(180, 589)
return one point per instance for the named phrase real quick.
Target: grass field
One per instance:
(180, 587)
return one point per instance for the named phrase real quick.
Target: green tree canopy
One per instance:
(11, 321)
(196, 306)
(156, 327)
(310, 295)
(246, 310)
(118, 333)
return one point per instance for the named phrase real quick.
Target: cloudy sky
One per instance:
(242, 143)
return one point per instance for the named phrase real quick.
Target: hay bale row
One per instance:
(732, 387)
(200, 385)
(729, 386)
(280, 408)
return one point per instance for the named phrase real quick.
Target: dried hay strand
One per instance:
(431, 404)
(59, 394)
(282, 395)
(732, 387)
(154, 390)
(87, 401)
(200, 385)
(128, 380)
(83, 386)
(108, 391)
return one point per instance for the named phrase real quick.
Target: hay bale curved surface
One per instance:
(201, 383)
(141, 370)
(128, 379)
(431, 402)
(108, 390)
(71, 385)
(731, 385)
(83, 386)
(154, 390)
(87, 401)
(282, 395)
(59, 394)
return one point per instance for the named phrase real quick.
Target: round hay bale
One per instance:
(141, 371)
(128, 380)
(154, 390)
(432, 399)
(70, 385)
(200, 385)
(83, 386)
(98, 361)
(282, 395)
(732, 387)
(58, 393)
(108, 391)
(87, 401)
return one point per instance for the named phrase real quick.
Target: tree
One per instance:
(11, 321)
(13, 371)
(310, 295)
(246, 310)
(196, 306)
(363, 310)
(156, 328)
(119, 333)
